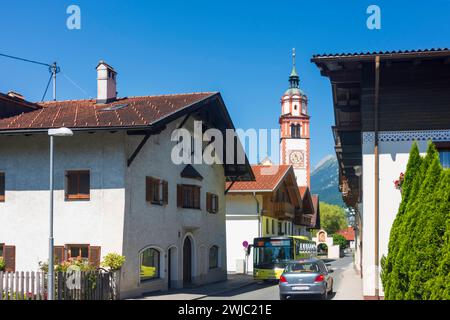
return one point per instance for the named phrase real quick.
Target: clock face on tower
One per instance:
(297, 158)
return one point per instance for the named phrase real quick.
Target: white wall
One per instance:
(24, 216)
(242, 225)
(393, 160)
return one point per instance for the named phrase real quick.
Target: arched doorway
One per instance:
(187, 261)
(322, 249)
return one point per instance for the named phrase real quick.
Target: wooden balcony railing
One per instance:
(284, 210)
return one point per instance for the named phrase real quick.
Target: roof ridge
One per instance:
(129, 97)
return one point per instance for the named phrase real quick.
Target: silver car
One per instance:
(306, 277)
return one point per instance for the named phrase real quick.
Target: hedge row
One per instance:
(418, 262)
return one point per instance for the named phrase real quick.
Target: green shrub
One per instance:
(2, 264)
(417, 266)
(412, 169)
(113, 261)
(340, 240)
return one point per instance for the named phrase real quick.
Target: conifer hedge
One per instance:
(418, 262)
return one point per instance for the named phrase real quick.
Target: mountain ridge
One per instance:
(325, 181)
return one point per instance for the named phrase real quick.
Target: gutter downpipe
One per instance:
(259, 214)
(377, 176)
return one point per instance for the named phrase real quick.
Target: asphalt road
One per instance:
(264, 291)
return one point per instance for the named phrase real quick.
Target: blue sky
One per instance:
(240, 48)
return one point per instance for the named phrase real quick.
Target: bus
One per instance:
(271, 254)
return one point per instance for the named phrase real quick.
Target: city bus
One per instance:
(270, 254)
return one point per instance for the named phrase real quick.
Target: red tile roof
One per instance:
(302, 191)
(348, 233)
(267, 178)
(136, 111)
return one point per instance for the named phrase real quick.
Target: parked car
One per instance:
(306, 277)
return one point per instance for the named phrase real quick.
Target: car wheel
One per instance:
(325, 295)
(283, 297)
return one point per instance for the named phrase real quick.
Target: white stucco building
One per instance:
(116, 187)
(383, 102)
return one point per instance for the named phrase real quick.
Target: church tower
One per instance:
(294, 127)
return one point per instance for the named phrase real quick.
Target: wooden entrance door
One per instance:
(187, 261)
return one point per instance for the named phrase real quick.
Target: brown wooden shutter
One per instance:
(179, 195)
(165, 187)
(208, 202)
(95, 255)
(196, 192)
(148, 189)
(10, 258)
(59, 254)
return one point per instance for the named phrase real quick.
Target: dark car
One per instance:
(306, 277)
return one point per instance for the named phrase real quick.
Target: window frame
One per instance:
(189, 202)
(216, 264)
(443, 147)
(212, 202)
(68, 247)
(78, 196)
(156, 187)
(158, 268)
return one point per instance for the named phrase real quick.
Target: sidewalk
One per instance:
(235, 281)
(350, 286)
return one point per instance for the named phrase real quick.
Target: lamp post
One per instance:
(61, 132)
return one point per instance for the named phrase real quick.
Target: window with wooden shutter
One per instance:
(2, 187)
(188, 196)
(156, 191)
(9, 256)
(78, 251)
(78, 185)
(95, 255)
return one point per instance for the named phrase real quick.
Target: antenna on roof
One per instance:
(53, 68)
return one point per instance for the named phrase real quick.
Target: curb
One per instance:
(226, 290)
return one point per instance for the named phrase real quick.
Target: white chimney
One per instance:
(106, 83)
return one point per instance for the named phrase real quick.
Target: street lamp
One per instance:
(60, 132)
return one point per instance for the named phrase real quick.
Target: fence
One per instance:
(98, 285)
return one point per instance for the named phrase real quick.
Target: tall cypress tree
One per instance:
(411, 173)
(438, 286)
(423, 246)
(399, 279)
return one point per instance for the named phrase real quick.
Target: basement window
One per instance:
(78, 185)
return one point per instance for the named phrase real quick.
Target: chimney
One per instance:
(106, 83)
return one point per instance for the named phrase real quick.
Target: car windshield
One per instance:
(302, 267)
